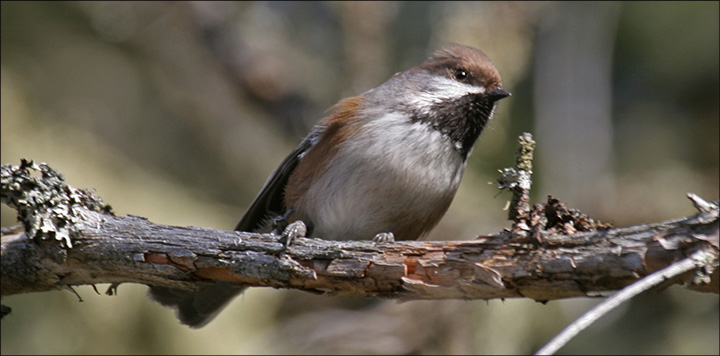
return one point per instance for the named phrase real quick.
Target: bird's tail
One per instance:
(196, 308)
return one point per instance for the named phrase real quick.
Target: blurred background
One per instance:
(178, 112)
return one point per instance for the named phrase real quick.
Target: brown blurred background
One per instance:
(179, 111)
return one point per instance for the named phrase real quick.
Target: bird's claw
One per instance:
(293, 231)
(384, 237)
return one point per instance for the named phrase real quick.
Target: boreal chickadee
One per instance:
(383, 165)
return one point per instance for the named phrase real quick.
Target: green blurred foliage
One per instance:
(178, 111)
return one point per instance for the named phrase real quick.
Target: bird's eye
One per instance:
(460, 74)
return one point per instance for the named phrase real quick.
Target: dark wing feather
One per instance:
(197, 308)
(269, 202)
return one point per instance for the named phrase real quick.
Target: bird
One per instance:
(384, 165)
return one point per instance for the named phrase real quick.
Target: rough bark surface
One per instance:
(98, 247)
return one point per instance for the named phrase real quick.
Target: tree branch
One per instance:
(698, 259)
(73, 239)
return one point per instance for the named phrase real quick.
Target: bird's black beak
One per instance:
(497, 94)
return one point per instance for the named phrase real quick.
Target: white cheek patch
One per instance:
(444, 89)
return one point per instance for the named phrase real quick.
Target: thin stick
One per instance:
(695, 260)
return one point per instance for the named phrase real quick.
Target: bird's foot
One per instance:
(384, 237)
(293, 231)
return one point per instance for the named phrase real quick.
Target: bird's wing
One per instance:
(269, 202)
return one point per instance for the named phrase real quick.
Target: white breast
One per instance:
(391, 166)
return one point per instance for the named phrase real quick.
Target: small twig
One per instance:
(518, 180)
(698, 259)
(73, 291)
(700, 203)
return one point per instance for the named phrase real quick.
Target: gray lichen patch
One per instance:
(47, 207)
